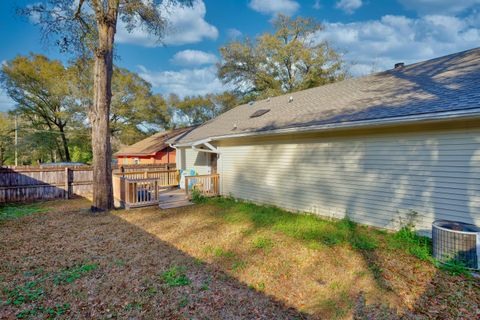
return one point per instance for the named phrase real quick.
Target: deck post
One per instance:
(67, 183)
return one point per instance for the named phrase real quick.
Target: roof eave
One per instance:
(385, 122)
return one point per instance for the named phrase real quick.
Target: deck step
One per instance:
(175, 204)
(173, 199)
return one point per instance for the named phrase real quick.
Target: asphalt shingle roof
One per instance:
(445, 84)
(152, 144)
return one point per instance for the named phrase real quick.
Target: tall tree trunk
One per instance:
(102, 153)
(57, 145)
(65, 144)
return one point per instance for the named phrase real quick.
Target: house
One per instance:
(152, 150)
(381, 149)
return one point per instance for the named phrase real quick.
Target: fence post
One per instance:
(67, 183)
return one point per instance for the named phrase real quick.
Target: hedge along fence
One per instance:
(26, 184)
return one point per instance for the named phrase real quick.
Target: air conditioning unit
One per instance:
(456, 242)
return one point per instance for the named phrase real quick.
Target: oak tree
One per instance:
(289, 59)
(39, 88)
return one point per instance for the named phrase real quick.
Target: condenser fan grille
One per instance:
(456, 242)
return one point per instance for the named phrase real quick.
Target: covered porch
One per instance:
(164, 188)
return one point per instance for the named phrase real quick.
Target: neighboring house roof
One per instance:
(425, 90)
(152, 144)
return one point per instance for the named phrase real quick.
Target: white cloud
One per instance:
(317, 5)
(349, 6)
(234, 33)
(439, 6)
(193, 57)
(274, 7)
(379, 44)
(185, 25)
(184, 82)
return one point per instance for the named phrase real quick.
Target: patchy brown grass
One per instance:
(200, 262)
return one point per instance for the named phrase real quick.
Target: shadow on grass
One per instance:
(369, 243)
(130, 278)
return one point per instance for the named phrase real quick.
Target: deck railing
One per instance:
(207, 185)
(139, 189)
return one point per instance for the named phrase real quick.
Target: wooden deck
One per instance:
(152, 188)
(173, 198)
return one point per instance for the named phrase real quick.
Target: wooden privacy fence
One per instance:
(24, 184)
(207, 185)
(135, 190)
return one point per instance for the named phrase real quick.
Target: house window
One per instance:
(136, 160)
(125, 160)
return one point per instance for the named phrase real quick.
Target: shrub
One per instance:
(407, 239)
(197, 197)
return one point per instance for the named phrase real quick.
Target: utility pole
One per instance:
(16, 140)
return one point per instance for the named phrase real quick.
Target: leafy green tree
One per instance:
(284, 61)
(134, 105)
(192, 110)
(7, 132)
(40, 90)
(88, 27)
(195, 110)
(135, 109)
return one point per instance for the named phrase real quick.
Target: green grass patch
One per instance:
(133, 306)
(10, 212)
(306, 227)
(197, 197)
(74, 273)
(30, 292)
(48, 311)
(175, 277)
(454, 268)
(221, 253)
(262, 243)
(317, 232)
(406, 239)
(33, 293)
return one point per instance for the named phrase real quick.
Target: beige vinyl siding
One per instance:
(191, 159)
(374, 179)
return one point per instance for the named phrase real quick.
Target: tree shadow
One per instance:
(128, 281)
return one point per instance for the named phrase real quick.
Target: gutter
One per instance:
(376, 123)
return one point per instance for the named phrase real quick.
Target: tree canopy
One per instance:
(40, 91)
(289, 59)
(52, 102)
(195, 110)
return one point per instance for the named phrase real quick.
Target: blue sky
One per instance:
(374, 34)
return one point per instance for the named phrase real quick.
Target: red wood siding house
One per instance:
(152, 150)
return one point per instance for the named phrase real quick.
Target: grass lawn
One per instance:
(220, 259)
